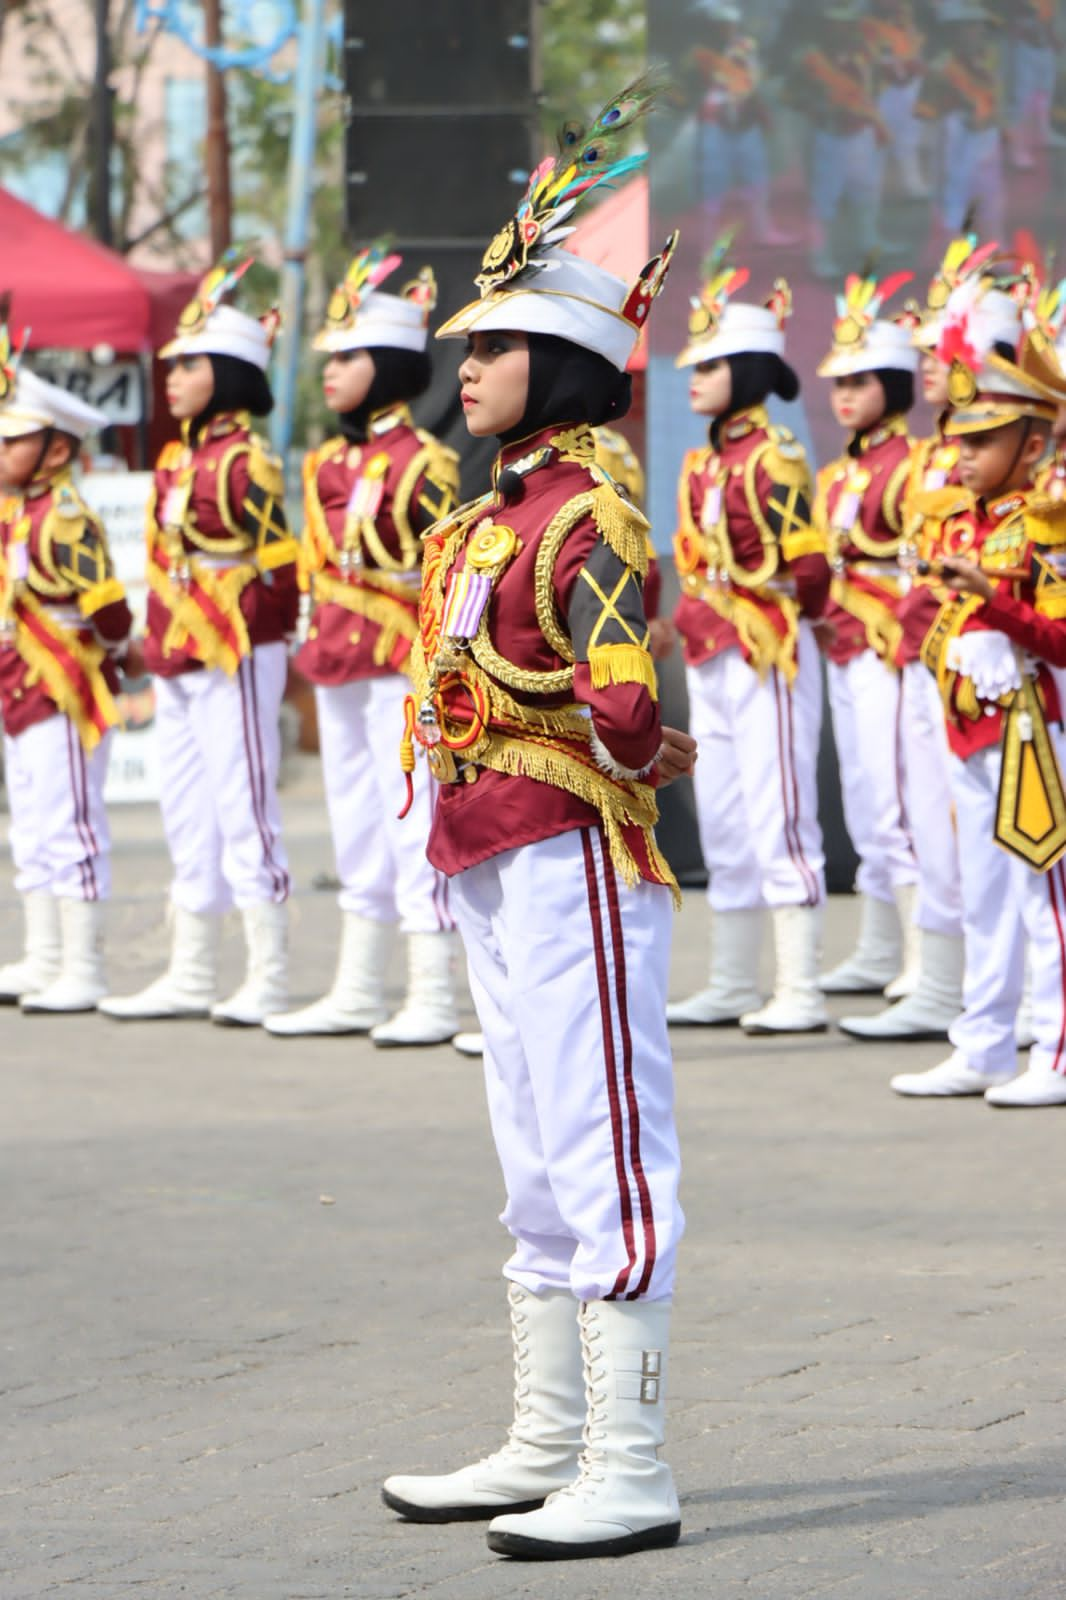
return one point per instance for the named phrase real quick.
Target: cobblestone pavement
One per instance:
(245, 1278)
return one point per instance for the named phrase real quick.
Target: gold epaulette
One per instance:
(265, 469)
(170, 455)
(108, 592)
(621, 525)
(785, 459)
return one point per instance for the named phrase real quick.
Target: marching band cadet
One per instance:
(962, 90)
(935, 932)
(64, 627)
(859, 507)
(754, 582)
(223, 600)
(998, 647)
(535, 696)
(734, 121)
(370, 491)
(896, 45)
(831, 84)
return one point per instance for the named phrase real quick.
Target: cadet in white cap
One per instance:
(998, 648)
(370, 492)
(64, 627)
(754, 583)
(536, 698)
(223, 601)
(860, 509)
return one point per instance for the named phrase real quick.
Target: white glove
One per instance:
(989, 660)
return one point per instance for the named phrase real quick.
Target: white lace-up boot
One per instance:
(954, 1076)
(875, 961)
(42, 949)
(797, 1005)
(469, 1044)
(355, 1003)
(929, 1012)
(80, 983)
(544, 1441)
(429, 1014)
(187, 987)
(623, 1498)
(736, 944)
(265, 988)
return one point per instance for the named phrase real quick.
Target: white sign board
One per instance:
(116, 388)
(119, 499)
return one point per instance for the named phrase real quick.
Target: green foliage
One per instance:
(588, 49)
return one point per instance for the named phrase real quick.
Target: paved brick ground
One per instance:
(244, 1279)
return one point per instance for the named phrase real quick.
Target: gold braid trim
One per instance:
(806, 542)
(620, 525)
(622, 663)
(188, 622)
(46, 669)
(397, 619)
(765, 647)
(100, 595)
(1052, 605)
(533, 756)
(884, 632)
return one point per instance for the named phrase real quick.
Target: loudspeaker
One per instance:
(441, 137)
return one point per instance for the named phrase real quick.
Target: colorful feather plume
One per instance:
(214, 287)
(587, 158)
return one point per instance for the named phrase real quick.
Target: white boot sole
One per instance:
(524, 1548)
(458, 1513)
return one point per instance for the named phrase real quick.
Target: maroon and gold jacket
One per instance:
(535, 695)
(366, 506)
(63, 614)
(932, 488)
(221, 562)
(859, 509)
(1019, 542)
(749, 562)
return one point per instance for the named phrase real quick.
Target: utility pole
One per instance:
(219, 202)
(103, 127)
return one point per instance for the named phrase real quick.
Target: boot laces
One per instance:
(523, 1410)
(592, 1464)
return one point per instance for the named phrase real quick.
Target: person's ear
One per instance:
(60, 452)
(1035, 447)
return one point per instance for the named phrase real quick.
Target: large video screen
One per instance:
(836, 138)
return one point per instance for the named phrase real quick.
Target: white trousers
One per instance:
(568, 969)
(60, 840)
(219, 754)
(381, 861)
(1006, 903)
(929, 802)
(866, 699)
(756, 780)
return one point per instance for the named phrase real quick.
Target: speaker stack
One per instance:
(441, 135)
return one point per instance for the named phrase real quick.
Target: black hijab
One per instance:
(568, 383)
(399, 375)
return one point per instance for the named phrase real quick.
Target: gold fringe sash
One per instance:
(884, 632)
(42, 643)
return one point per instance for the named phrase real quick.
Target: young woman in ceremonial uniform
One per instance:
(223, 601)
(369, 493)
(535, 697)
(64, 627)
(932, 934)
(754, 582)
(859, 508)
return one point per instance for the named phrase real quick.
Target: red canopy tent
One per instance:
(74, 294)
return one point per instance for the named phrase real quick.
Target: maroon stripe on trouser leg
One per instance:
(280, 876)
(76, 772)
(790, 843)
(625, 1203)
(811, 875)
(248, 722)
(635, 1160)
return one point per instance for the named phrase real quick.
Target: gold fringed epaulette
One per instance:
(785, 459)
(170, 455)
(265, 469)
(622, 663)
(620, 525)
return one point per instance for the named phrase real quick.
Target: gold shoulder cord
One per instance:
(882, 549)
(239, 541)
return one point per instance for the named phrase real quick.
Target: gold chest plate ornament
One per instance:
(492, 545)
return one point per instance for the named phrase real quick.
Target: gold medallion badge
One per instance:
(492, 545)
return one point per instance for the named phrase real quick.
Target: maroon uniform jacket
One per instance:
(221, 562)
(859, 509)
(749, 562)
(534, 690)
(366, 506)
(1019, 541)
(932, 488)
(63, 614)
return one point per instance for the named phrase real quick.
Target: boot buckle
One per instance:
(651, 1366)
